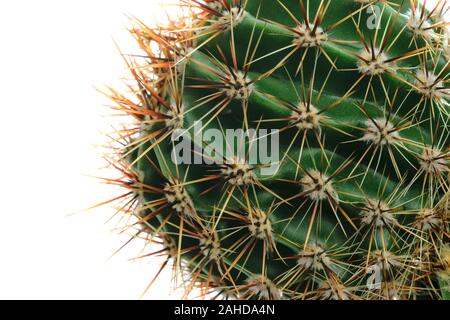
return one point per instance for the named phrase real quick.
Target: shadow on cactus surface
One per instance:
(356, 93)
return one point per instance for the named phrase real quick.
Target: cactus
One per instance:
(355, 95)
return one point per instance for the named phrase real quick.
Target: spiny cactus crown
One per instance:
(351, 97)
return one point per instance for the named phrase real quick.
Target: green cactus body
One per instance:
(358, 94)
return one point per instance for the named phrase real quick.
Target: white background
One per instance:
(52, 54)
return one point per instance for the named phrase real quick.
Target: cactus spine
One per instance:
(357, 91)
